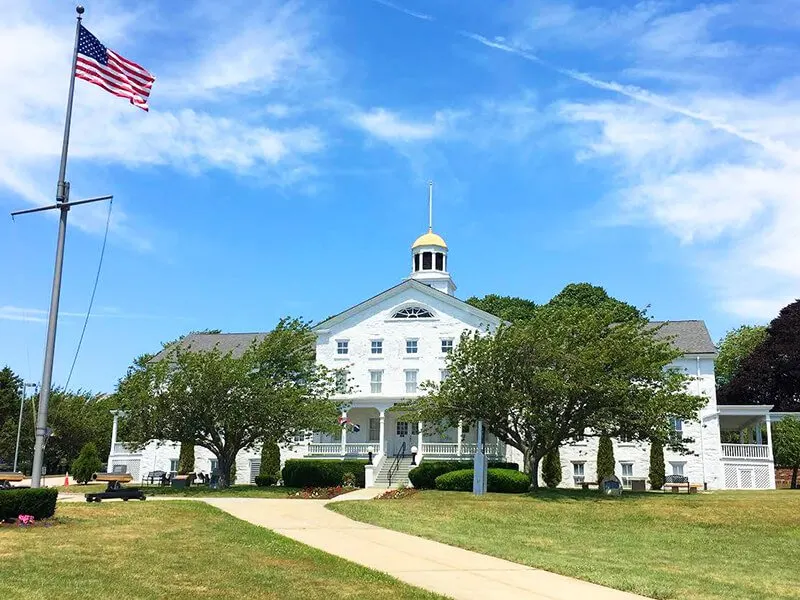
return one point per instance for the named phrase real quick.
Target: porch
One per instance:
(382, 432)
(746, 436)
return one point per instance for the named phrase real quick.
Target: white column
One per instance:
(110, 467)
(768, 420)
(741, 436)
(759, 440)
(344, 434)
(382, 432)
(419, 440)
(459, 436)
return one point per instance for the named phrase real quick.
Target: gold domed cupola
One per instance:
(429, 256)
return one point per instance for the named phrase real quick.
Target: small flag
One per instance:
(101, 66)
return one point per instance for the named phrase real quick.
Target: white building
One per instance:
(396, 340)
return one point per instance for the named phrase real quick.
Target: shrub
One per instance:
(657, 469)
(321, 473)
(605, 458)
(40, 503)
(270, 460)
(186, 458)
(551, 468)
(424, 476)
(265, 480)
(87, 464)
(349, 479)
(504, 481)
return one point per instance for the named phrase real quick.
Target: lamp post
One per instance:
(414, 451)
(370, 450)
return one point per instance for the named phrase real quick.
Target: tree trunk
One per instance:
(794, 476)
(533, 471)
(224, 465)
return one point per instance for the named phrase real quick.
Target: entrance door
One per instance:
(402, 434)
(746, 479)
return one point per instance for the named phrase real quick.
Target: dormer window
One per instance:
(413, 312)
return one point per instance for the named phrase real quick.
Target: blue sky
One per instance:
(651, 148)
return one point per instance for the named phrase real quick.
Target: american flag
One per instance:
(101, 66)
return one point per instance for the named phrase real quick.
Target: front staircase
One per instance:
(399, 477)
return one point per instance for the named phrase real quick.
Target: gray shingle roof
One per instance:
(690, 337)
(224, 342)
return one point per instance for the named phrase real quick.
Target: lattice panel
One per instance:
(132, 464)
(731, 477)
(762, 478)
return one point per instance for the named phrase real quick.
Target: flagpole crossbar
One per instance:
(60, 205)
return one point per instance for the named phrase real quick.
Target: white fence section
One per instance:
(451, 449)
(335, 449)
(745, 451)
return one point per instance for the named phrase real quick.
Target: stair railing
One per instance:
(395, 466)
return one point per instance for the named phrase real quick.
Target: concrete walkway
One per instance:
(450, 571)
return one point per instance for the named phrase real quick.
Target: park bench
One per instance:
(114, 488)
(585, 485)
(676, 482)
(157, 477)
(7, 477)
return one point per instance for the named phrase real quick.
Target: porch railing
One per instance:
(451, 449)
(745, 451)
(335, 449)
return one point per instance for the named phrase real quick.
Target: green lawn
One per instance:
(177, 550)
(243, 491)
(731, 545)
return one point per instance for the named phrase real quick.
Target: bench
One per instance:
(157, 477)
(585, 485)
(676, 482)
(114, 488)
(7, 477)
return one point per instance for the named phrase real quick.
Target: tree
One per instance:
(551, 468)
(588, 295)
(270, 461)
(657, 469)
(786, 445)
(771, 373)
(543, 382)
(508, 308)
(186, 457)
(87, 464)
(605, 458)
(737, 345)
(228, 402)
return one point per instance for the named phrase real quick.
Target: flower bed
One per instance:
(398, 494)
(321, 493)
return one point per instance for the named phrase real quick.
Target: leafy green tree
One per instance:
(228, 402)
(87, 464)
(270, 461)
(786, 445)
(551, 468)
(770, 374)
(657, 468)
(186, 457)
(543, 382)
(508, 308)
(737, 344)
(588, 295)
(605, 458)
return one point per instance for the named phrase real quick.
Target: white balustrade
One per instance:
(451, 449)
(335, 449)
(745, 451)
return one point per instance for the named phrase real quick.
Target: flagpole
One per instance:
(62, 198)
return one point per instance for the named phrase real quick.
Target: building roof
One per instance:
(429, 239)
(690, 337)
(224, 342)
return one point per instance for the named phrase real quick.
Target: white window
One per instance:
(413, 312)
(299, 437)
(415, 428)
(677, 468)
(376, 347)
(577, 473)
(447, 346)
(376, 382)
(214, 465)
(625, 439)
(374, 429)
(173, 465)
(411, 381)
(342, 347)
(402, 428)
(627, 473)
(411, 346)
(677, 429)
(444, 374)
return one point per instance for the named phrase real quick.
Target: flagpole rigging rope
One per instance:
(91, 299)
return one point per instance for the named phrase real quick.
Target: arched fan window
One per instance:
(413, 312)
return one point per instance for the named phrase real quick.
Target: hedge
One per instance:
(38, 502)
(424, 476)
(504, 481)
(321, 473)
(265, 480)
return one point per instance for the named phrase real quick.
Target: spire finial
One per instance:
(430, 206)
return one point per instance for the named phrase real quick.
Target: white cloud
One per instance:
(391, 127)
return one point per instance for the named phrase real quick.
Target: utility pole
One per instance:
(19, 423)
(62, 205)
